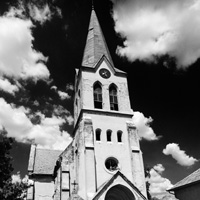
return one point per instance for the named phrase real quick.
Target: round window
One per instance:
(112, 164)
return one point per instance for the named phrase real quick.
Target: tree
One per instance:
(147, 175)
(8, 189)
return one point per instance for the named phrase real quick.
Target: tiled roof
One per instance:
(192, 178)
(45, 161)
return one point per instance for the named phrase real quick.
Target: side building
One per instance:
(188, 188)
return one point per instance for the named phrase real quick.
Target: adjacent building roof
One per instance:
(42, 161)
(191, 179)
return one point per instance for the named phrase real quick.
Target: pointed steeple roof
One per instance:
(95, 46)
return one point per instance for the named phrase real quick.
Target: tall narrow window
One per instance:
(119, 136)
(113, 98)
(97, 96)
(98, 134)
(109, 135)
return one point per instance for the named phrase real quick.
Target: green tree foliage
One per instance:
(8, 189)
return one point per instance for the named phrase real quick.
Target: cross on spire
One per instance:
(92, 5)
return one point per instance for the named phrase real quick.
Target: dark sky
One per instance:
(167, 94)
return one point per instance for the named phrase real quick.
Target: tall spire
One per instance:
(95, 46)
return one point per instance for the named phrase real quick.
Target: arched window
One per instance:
(119, 136)
(98, 134)
(97, 96)
(113, 97)
(109, 135)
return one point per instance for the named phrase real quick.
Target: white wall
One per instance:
(44, 189)
(89, 78)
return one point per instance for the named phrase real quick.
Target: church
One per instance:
(104, 160)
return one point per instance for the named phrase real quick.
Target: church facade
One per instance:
(104, 160)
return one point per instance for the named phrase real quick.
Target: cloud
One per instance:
(6, 86)
(63, 95)
(43, 13)
(70, 86)
(18, 58)
(154, 28)
(179, 155)
(143, 125)
(46, 133)
(158, 184)
(40, 14)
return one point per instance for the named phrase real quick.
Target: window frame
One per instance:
(98, 132)
(97, 95)
(113, 97)
(119, 136)
(109, 135)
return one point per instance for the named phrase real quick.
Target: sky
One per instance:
(156, 42)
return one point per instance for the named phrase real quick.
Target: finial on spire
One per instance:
(92, 5)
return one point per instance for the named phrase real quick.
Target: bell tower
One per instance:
(107, 157)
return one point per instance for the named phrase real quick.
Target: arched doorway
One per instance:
(119, 192)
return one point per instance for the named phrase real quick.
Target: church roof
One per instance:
(95, 46)
(44, 161)
(191, 179)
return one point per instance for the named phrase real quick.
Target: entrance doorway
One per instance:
(119, 192)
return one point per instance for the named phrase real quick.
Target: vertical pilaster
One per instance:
(90, 158)
(136, 158)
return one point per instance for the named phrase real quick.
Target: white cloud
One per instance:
(63, 95)
(18, 59)
(143, 125)
(158, 184)
(6, 86)
(69, 87)
(40, 14)
(47, 134)
(70, 120)
(179, 155)
(14, 120)
(157, 27)
(43, 13)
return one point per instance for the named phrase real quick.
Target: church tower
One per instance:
(104, 160)
(107, 162)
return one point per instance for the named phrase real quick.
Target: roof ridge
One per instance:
(40, 148)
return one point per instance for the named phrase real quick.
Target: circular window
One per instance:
(112, 164)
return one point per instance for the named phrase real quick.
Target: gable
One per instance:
(103, 60)
(118, 179)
